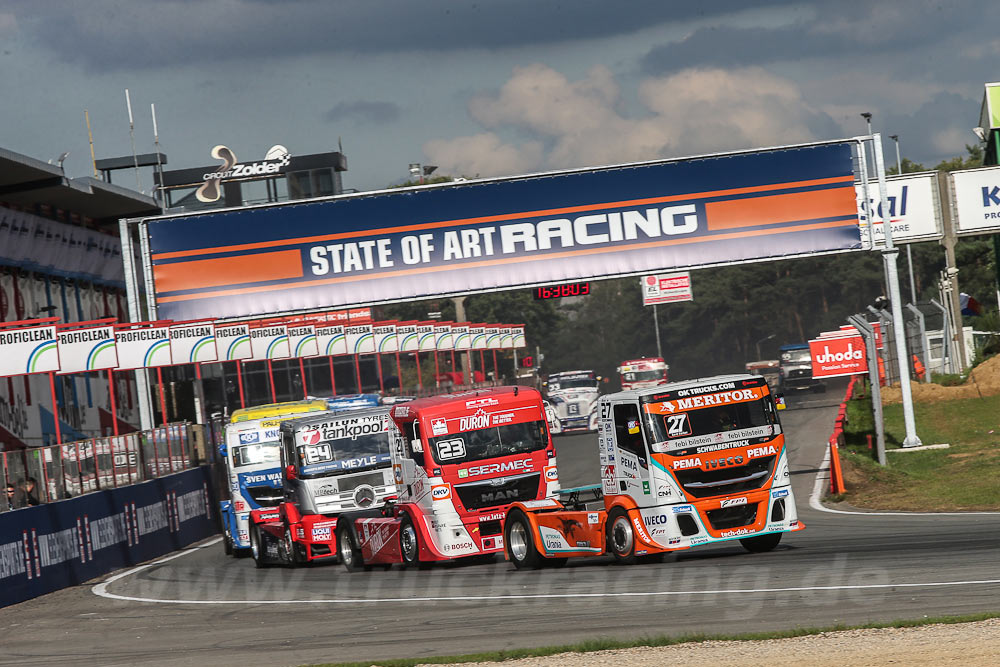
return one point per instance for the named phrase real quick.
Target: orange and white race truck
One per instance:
(686, 464)
(643, 373)
(460, 461)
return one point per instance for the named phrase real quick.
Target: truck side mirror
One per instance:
(291, 473)
(417, 446)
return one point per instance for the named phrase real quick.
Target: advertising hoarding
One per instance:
(460, 336)
(914, 209)
(232, 341)
(426, 341)
(360, 339)
(142, 346)
(87, 349)
(269, 342)
(834, 356)
(331, 339)
(666, 288)
(505, 233)
(442, 337)
(976, 194)
(302, 340)
(28, 350)
(193, 343)
(406, 334)
(477, 335)
(385, 337)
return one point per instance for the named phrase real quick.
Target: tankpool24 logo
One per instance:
(210, 191)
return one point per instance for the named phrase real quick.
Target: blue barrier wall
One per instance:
(48, 547)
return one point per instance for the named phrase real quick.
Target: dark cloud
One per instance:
(109, 35)
(378, 113)
(896, 35)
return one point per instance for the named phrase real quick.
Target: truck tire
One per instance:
(350, 554)
(519, 543)
(409, 543)
(227, 543)
(292, 549)
(257, 548)
(621, 536)
(761, 543)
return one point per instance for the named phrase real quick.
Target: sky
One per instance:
(487, 88)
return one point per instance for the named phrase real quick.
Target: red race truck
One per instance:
(690, 463)
(459, 463)
(643, 373)
(331, 462)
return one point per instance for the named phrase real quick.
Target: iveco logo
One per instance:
(364, 496)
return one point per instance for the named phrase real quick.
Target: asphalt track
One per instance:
(199, 606)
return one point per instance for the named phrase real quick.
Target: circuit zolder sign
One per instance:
(500, 234)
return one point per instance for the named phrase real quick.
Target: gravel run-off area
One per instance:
(973, 644)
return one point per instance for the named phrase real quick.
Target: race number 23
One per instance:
(450, 449)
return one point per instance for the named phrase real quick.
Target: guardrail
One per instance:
(836, 439)
(75, 468)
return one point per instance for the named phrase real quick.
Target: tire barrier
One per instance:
(836, 438)
(49, 547)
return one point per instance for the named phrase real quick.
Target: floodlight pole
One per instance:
(889, 254)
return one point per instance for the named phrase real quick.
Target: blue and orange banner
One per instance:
(506, 233)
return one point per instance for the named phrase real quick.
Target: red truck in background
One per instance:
(459, 462)
(643, 373)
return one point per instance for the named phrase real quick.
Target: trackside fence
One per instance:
(73, 469)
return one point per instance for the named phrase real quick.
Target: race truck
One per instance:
(353, 401)
(690, 463)
(795, 370)
(332, 462)
(574, 396)
(643, 373)
(460, 462)
(250, 454)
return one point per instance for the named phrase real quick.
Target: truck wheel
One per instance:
(227, 543)
(293, 550)
(621, 537)
(409, 543)
(257, 549)
(519, 542)
(761, 543)
(350, 555)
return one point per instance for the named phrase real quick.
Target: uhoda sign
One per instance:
(836, 356)
(478, 236)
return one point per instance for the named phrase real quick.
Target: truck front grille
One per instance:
(732, 517)
(352, 482)
(265, 496)
(499, 491)
(705, 483)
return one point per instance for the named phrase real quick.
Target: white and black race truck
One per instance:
(573, 395)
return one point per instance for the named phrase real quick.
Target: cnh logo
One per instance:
(850, 354)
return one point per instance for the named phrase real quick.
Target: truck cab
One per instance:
(462, 459)
(332, 462)
(643, 373)
(795, 369)
(573, 395)
(251, 455)
(687, 464)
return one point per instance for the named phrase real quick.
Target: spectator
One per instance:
(10, 502)
(28, 496)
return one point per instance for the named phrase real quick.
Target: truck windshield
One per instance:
(264, 452)
(738, 418)
(642, 376)
(344, 455)
(490, 443)
(796, 356)
(575, 383)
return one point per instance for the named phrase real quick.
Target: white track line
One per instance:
(823, 479)
(101, 590)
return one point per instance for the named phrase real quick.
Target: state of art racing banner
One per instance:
(505, 233)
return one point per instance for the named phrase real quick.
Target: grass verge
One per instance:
(960, 478)
(662, 640)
